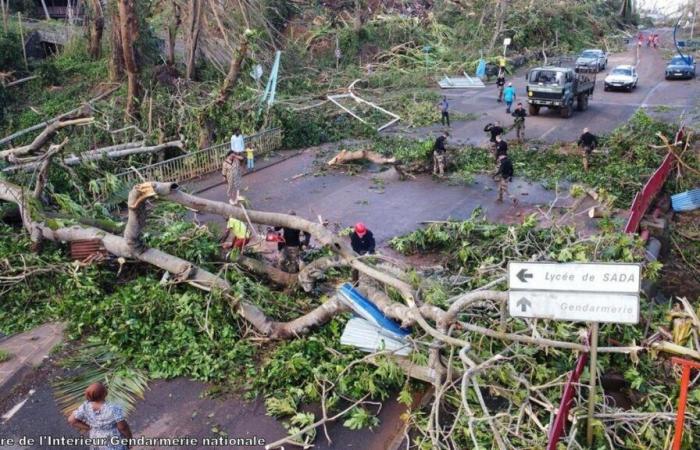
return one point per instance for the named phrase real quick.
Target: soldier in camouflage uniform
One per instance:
(519, 123)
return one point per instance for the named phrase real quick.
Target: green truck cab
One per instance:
(558, 88)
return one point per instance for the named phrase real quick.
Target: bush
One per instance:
(10, 52)
(50, 74)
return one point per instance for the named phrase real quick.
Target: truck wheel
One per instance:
(565, 112)
(582, 102)
(533, 110)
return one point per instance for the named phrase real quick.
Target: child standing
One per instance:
(250, 157)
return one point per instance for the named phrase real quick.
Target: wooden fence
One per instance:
(182, 168)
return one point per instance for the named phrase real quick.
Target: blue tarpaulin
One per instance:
(686, 201)
(369, 311)
(481, 69)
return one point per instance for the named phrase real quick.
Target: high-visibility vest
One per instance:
(238, 228)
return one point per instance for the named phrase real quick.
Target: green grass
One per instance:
(5, 355)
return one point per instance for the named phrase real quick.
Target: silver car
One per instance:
(622, 77)
(592, 59)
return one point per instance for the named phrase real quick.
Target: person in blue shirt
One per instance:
(509, 96)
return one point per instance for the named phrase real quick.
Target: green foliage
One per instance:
(361, 418)
(93, 363)
(315, 127)
(10, 52)
(481, 247)
(167, 332)
(49, 73)
(5, 355)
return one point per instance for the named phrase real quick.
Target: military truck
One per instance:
(558, 88)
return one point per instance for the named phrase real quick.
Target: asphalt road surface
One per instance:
(607, 110)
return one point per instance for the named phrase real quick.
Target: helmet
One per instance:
(360, 229)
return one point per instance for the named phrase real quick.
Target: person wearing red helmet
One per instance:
(362, 239)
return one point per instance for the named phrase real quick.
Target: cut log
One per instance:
(597, 212)
(358, 155)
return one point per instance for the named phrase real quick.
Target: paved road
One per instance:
(607, 110)
(387, 206)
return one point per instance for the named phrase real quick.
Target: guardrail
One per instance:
(185, 167)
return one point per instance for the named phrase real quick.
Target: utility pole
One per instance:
(694, 13)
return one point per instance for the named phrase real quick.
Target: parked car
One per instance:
(681, 66)
(592, 59)
(622, 77)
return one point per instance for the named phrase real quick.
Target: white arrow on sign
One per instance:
(576, 307)
(575, 277)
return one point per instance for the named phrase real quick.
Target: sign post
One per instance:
(592, 382)
(579, 292)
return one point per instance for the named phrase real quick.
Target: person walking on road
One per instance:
(501, 84)
(233, 175)
(444, 111)
(588, 142)
(495, 130)
(501, 147)
(231, 168)
(440, 154)
(504, 175)
(509, 96)
(519, 123)
(102, 420)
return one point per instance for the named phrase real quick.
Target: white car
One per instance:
(622, 77)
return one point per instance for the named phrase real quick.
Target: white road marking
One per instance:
(8, 415)
(644, 102)
(546, 133)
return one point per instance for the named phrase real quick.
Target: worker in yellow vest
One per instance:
(240, 235)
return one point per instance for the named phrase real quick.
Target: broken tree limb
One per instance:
(21, 80)
(42, 175)
(181, 269)
(43, 137)
(277, 276)
(82, 110)
(113, 152)
(358, 155)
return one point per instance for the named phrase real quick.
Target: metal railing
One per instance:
(185, 167)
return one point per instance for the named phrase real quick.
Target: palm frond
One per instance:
(93, 363)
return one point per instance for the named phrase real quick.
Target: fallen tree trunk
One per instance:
(358, 155)
(43, 137)
(130, 246)
(113, 152)
(183, 271)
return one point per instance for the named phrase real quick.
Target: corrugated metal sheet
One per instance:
(84, 249)
(686, 201)
(368, 338)
(369, 311)
(461, 82)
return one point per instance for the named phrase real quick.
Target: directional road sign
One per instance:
(584, 277)
(586, 292)
(589, 307)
